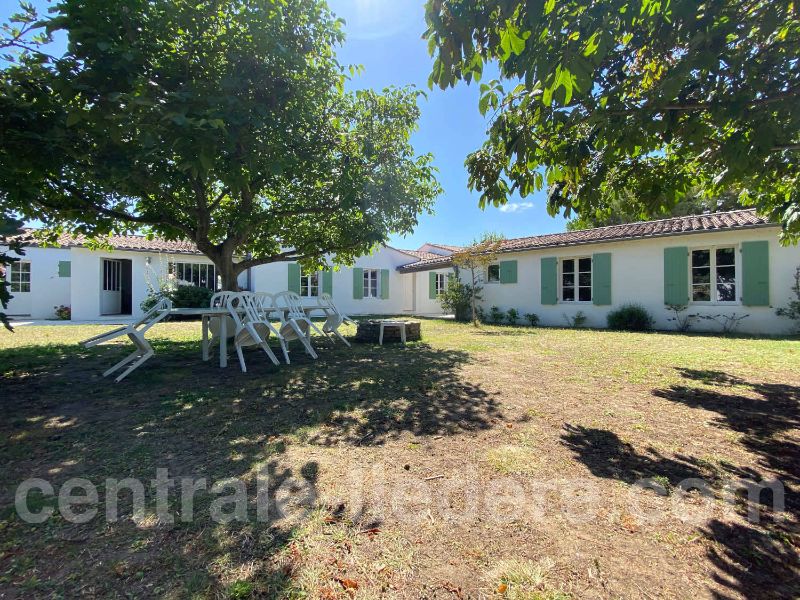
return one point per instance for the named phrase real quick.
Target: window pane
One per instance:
(726, 292)
(585, 279)
(701, 293)
(585, 265)
(568, 294)
(568, 266)
(494, 272)
(701, 258)
(568, 279)
(702, 275)
(726, 284)
(25, 287)
(726, 256)
(584, 294)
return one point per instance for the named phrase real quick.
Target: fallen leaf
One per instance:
(501, 589)
(347, 584)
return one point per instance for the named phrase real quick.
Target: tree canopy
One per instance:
(225, 123)
(632, 101)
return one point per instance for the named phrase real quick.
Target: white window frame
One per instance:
(712, 250)
(309, 284)
(440, 283)
(370, 276)
(488, 270)
(575, 286)
(177, 268)
(19, 273)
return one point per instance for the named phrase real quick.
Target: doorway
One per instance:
(116, 295)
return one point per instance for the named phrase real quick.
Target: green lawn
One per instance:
(497, 462)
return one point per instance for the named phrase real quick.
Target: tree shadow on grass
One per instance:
(766, 414)
(607, 456)
(753, 559)
(196, 420)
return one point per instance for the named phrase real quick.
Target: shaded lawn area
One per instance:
(498, 462)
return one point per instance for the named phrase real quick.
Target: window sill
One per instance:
(576, 302)
(701, 303)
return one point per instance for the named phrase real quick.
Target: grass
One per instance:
(497, 462)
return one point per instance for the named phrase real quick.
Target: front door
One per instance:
(19, 279)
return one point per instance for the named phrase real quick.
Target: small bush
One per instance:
(63, 313)
(579, 320)
(191, 296)
(512, 316)
(183, 296)
(630, 317)
(532, 319)
(457, 299)
(495, 315)
(480, 313)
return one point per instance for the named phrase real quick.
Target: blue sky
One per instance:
(385, 37)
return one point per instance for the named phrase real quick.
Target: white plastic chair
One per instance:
(135, 333)
(265, 303)
(212, 323)
(295, 324)
(334, 318)
(251, 328)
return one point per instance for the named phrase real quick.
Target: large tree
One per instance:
(644, 99)
(225, 123)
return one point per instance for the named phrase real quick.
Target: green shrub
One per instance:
(630, 317)
(457, 299)
(578, 320)
(183, 296)
(190, 296)
(512, 316)
(480, 313)
(532, 319)
(495, 315)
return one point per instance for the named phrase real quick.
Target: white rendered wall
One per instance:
(48, 290)
(274, 278)
(637, 275)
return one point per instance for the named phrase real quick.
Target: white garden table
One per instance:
(208, 314)
(399, 324)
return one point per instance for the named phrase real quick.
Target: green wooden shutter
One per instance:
(385, 284)
(755, 273)
(358, 283)
(293, 284)
(327, 282)
(508, 271)
(64, 268)
(432, 285)
(676, 275)
(549, 276)
(601, 278)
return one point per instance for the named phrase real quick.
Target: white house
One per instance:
(724, 263)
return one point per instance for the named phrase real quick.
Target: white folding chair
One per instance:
(295, 324)
(135, 333)
(334, 318)
(251, 328)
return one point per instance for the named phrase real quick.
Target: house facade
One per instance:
(717, 265)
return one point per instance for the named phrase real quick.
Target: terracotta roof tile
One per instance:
(136, 243)
(737, 219)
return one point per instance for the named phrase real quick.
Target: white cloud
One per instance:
(513, 207)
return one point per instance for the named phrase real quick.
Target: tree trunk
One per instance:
(227, 271)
